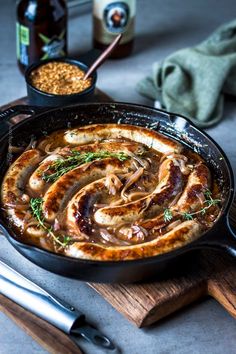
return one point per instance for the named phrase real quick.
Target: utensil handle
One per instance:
(41, 331)
(33, 298)
(89, 57)
(107, 52)
(222, 237)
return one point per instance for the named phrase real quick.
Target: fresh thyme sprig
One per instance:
(63, 165)
(36, 207)
(168, 215)
(209, 202)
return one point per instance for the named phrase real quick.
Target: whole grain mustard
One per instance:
(59, 78)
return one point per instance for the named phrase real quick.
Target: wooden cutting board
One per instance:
(48, 336)
(143, 304)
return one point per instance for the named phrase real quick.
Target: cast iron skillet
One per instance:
(178, 127)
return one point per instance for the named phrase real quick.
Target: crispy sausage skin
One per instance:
(198, 181)
(179, 236)
(78, 211)
(190, 200)
(99, 132)
(58, 195)
(167, 188)
(13, 185)
(36, 181)
(109, 192)
(16, 176)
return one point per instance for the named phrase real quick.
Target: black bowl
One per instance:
(40, 98)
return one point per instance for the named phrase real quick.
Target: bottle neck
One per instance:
(31, 9)
(44, 9)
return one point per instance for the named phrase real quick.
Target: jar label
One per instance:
(116, 16)
(113, 17)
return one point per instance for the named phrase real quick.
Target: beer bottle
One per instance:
(111, 18)
(41, 31)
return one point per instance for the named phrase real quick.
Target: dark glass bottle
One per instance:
(111, 18)
(41, 31)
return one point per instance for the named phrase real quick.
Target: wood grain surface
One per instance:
(48, 336)
(143, 304)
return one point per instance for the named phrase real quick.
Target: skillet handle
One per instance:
(7, 114)
(222, 238)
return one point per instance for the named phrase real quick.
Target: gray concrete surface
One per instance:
(162, 27)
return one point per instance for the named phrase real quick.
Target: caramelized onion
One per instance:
(173, 156)
(31, 224)
(17, 206)
(28, 217)
(136, 195)
(201, 198)
(56, 225)
(135, 233)
(125, 231)
(185, 170)
(131, 180)
(173, 224)
(140, 232)
(142, 162)
(51, 152)
(113, 184)
(110, 238)
(31, 144)
(117, 202)
(34, 230)
(99, 205)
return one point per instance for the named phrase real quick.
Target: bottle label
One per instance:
(113, 17)
(49, 48)
(53, 47)
(22, 43)
(116, 16)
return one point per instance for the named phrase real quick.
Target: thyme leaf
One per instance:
(61, 166)
(66, 240)
(168, 215)
(209, 202)
(187, 216)
(37, 211)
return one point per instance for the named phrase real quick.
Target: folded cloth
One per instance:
(193, 81)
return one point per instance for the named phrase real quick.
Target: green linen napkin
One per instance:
(193, 81)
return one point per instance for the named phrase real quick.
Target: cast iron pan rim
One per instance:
(76, 62)
(13, 240)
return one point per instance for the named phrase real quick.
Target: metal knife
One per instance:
(50, 308)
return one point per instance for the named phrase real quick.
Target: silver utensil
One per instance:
(50, 308)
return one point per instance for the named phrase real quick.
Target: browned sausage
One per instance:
(99, 132)
(179, 236)
(167, 188)
(60, 192)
